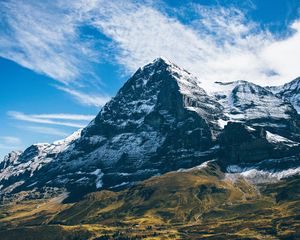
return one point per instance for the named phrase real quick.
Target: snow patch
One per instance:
(199, 167)
(222, 123)
(274, 138)
(120, 185)
(259, 176)
(98, 173)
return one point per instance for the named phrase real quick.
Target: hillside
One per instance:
(164, 159)
(201, 203)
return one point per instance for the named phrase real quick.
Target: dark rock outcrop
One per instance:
(161, 120)
(247, 146)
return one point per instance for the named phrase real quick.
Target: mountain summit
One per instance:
(161, 120)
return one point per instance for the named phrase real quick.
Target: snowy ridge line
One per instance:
(160, 113)
(275, 138)
(39, 151)
(256, 176)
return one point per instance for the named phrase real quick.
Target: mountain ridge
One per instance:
(161, 120)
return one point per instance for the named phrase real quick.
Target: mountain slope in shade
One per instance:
(172, 161)
(160, 120)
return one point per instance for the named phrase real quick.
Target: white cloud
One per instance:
(283, 55)
(10, 140)
(218, 45)
(35, 119)
(9, 143)
(75, 117)
(221, 44)
(87, 99)
(46, 130)
(43, 36)
(9, 148)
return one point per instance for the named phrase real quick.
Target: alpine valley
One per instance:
(164, 159)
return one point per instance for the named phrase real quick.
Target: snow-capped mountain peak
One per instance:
(160, 120)
(247, 102)
(290, 92)
(163, 64)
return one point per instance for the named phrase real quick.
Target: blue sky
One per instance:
(60, 63)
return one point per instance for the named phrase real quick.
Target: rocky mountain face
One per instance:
(262, 134)
(291, 92)
(250, 147)
(258, 107)
(161, 120)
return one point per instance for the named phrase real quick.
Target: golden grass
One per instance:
(181, 205)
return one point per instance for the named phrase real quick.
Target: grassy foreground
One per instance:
(197, 204)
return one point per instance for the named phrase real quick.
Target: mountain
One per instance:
(290, 92)
(164, 159)
(161, 120)
(257, 106)
(261, 125)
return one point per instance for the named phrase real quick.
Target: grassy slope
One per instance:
(182, 205)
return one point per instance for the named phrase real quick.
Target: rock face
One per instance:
(160, 112)
(291, 92)
(244, 145)
(257, 106)
(160, 120)
(263, 128)
(10, 159)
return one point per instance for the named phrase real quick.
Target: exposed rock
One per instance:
(161, 120)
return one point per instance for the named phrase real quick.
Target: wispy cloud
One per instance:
(76, 117)
(217, 44)
(46, 130)
(37, 119)
(43, 36)
(9, 143)
(10, 140)
(9, 147)
(87, 99)
(46, 38)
